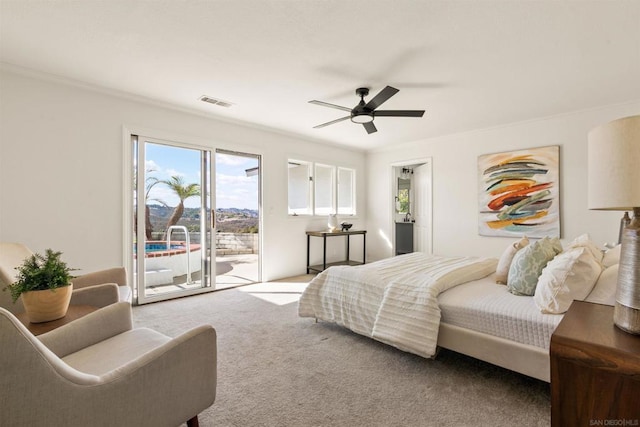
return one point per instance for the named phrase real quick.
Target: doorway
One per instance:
(412, 206)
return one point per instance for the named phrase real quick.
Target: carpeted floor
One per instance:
(276, 369)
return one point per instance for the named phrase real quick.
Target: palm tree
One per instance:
(183, 191)
(150, 182)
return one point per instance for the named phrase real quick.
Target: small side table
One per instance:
(73, 313)
(595, 369)
(324, 235)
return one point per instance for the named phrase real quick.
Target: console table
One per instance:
(595, 369)
(74, 312)
(324, 235)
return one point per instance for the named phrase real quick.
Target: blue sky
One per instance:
(233, 188)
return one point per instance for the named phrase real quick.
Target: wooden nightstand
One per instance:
(595, 370)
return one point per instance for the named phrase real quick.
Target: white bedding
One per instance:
(484, 306)
(394, 300)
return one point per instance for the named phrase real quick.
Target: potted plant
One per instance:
(44, 282)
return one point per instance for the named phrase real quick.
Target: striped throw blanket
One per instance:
(393, 300)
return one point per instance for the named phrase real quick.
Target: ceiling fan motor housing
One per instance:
(360, 114)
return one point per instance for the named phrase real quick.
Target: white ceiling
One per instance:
(469, 64)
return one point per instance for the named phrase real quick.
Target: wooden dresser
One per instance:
(595, 370)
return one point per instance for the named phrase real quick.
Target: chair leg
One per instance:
(193, 422)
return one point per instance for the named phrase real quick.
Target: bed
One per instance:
(483, 320)
(418, 303)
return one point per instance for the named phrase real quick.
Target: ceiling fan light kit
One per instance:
(365, 113)
(361, 118)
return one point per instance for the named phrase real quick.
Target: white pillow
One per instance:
(612, 256)
(569, 276)
(502, 271)
(604, 292)
(585, 241)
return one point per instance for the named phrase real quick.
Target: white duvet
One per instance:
(394, 300)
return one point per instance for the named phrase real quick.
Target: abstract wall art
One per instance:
(519, 193)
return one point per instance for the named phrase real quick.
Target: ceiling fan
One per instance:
(365, 113)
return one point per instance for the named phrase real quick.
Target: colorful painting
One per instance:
(519, 193)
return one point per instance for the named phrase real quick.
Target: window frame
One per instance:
(312, 209)
(352, 192)
(308, 210)
(320, 187)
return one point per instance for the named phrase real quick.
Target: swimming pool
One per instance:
(162, 264)
(160, 246)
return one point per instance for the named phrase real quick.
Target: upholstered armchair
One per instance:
(97, 289)
(100, 371)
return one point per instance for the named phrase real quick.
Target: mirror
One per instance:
(402, 199)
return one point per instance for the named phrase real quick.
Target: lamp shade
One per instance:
(614, 165)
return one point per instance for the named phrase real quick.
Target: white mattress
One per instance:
(484, 306)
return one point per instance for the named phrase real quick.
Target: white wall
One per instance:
(455, 217)
(61, 171)
(61, 168)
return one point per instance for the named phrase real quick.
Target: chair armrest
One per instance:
(97, 296)
(24, 356)
(178, 379)
(186, 346)
(89, 330)
(116, 275)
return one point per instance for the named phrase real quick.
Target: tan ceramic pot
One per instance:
(47, 305)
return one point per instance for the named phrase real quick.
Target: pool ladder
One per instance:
(188, 243)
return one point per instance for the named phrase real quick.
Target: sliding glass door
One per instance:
(237, 188)
(173, 220)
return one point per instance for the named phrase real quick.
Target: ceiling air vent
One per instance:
(214, 101)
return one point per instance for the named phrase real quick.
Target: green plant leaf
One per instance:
(41, 272)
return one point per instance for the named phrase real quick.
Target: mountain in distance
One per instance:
(228, 220)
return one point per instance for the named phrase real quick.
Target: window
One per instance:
(329, 189)
(299, 188)
(346, 191)
(323, 190)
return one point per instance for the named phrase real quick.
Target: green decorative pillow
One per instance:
(528, 263)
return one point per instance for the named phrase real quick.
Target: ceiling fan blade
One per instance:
(331, 122)
(326, 104)
(381, 97)
(399, 113)
(370, 127)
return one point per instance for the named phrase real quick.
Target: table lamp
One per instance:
(614, 184)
